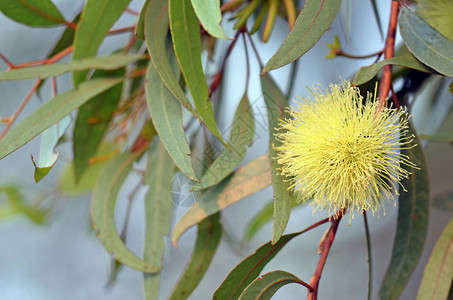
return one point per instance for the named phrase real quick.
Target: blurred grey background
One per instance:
(63, 258)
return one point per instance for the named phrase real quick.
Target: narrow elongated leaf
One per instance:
(250, 268)
(246, 181)
(158, 204)
(92, 121)
(140, 27)
(103, 205)
(413, 212)
(438, 275)
(51, 112)
(426, 43)
(208, 238)
(47, 155)
(167, 119)
(39, 13)
(185, 32)
(16, 204)
(156, 30)
(266, 286)
(210, 16)
(109, 62)
(365, 74)
(97, 18)
(314, 19)
(276, 104)
(241, 136)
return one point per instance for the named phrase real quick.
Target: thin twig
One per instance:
(342, 53)
(122, 30)
(386, 79)
(7, 61)
(368, 246)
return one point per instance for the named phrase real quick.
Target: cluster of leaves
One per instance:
(135, 98)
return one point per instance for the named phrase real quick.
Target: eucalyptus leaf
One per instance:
(413, 213)
(314, 19)
(51, 112)
(426, 43)
(276, 104)
(210, 16)
(98, 16)
(38, 13)
(244, 182)
(438, 276)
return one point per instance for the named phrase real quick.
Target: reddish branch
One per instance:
(386, 80)
(314, 282)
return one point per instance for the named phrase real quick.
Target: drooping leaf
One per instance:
(92, 121)
(276, 104)
(16, 204)
(156, 30)
(264, 287)
(241, 136)
(426, 43)
(438, 276)
(250, 268)
(97, 18)
(109, 62)
(413, 212)
(39, 13)
(185, 33)
(140, 27)
(47, 156)
(439, 137)
(51, 112)
(365, 74)
(244, 182)
(208, 238)
(103, 205)
(167, 119)
(314, 19)
(159, 175)
(210, 16)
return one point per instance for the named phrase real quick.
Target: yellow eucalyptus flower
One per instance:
(438, 14)
(342, 152)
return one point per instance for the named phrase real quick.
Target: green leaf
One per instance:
(241, 136)
(208, 238)
(47, 156)
(210, 16)
(314, 19)
(39, 13)
(438, 275)
(140, 27)
(439, 137)
(103, 204)
(365, 74)
(167, 119)
(250, 268)
(159, 175)
(266, 286)
(276, 104)
(413, 213)
(426, 43)
(92, 121)
(185, 32)
(17, 204)
(156, 30)
(97, 18)
(246, 181)
(51, 112)
(109, 62)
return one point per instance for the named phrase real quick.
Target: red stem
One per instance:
(389, 50)
(314, 282)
